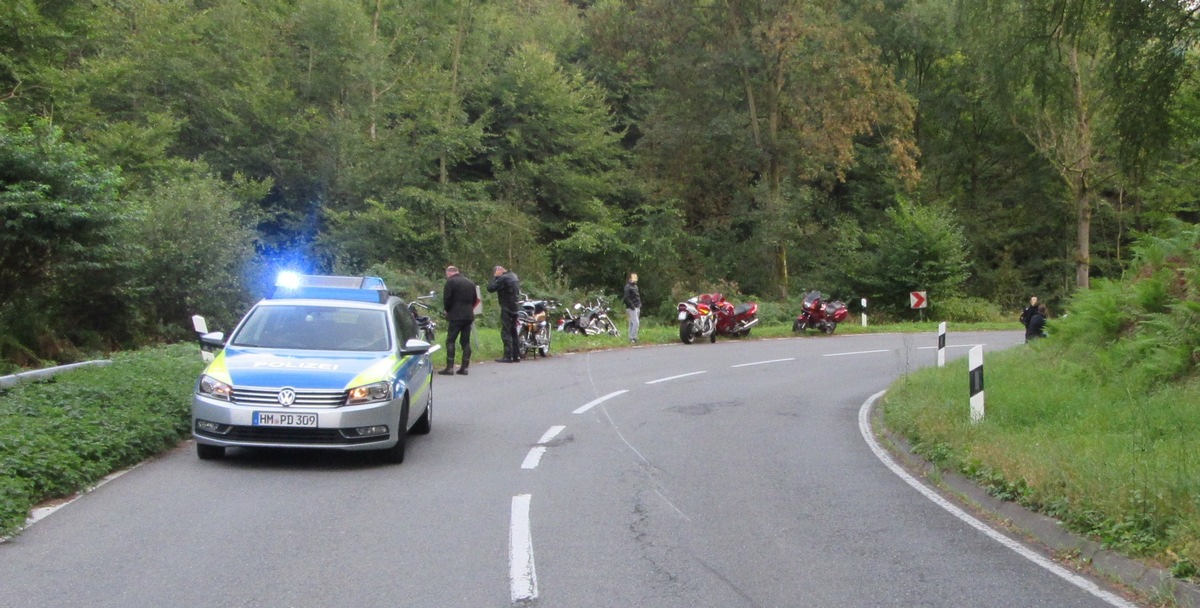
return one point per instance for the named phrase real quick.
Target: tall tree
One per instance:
(765, 98)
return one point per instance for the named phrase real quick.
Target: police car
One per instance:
(327, 362)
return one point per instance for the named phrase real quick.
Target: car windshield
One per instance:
(314, 328)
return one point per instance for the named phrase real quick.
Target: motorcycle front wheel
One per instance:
(685, 331)
(544, 340)
(798, 326)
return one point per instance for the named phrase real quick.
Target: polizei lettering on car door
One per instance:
(295, 365)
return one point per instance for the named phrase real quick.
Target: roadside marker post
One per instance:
(941, 349)
(975, 364)
(864, 312)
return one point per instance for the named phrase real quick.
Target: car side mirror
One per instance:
(416, 347)
(210, 342)
(209, 345)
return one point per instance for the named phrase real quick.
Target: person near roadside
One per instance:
(633, 306)
(1029, 311)
(507, 287)
(1037, 324)
(458, 301)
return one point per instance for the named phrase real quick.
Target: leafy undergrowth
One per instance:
(62, 435)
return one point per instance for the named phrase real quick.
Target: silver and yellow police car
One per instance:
(328, 362)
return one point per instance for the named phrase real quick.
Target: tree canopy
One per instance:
(163, 157)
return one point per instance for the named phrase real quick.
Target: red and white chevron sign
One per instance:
(917, 299)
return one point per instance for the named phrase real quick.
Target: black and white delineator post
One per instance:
(975, 364)
(201, 326)
(941, 349)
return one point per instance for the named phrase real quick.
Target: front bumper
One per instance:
(335, 426)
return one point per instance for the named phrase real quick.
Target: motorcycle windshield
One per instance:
(810, 300)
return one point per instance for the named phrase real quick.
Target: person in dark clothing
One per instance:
(633, 306)
(507, 288)
(1028, 313)
(458, 300)
(1037, 324)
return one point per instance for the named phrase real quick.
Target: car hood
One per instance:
(300, 369)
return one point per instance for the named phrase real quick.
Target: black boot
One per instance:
(449, 371)
(462, 371)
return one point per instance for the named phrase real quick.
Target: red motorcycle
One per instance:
(820, 315)
(733, 321)
(697, 319)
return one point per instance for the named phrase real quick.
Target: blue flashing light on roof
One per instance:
(287, 279)
(322, 287)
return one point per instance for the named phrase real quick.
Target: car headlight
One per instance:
(215, 388)
(369, 393)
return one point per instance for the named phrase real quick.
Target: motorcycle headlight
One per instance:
(215, 388)
(369, 393)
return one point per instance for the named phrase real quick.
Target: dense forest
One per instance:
(160, 158)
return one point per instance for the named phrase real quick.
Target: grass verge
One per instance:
(1112, 462)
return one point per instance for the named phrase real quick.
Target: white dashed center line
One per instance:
(675, 377)
(521, 573)
(535, 455)
(589, 405)
(764, 362)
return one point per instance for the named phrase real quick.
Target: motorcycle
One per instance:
(425, 324)
(733, 321)
(697, 319)
(589, 320)
(820, 315)
(533, 326)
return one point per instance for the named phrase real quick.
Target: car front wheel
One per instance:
(395, 454)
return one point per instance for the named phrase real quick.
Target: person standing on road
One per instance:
(507, 288)
(633, 306)
(458, 300)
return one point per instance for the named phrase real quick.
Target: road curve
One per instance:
(722, 475)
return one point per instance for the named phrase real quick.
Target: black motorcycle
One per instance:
(589, 320)
(425, 324)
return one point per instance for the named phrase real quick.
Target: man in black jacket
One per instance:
(507, 287)
(458, 300)
(633, 306)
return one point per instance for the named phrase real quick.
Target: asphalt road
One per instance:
(711, 475)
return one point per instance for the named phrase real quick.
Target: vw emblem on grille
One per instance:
(286, 397)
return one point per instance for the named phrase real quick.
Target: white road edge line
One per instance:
(675, 377)
(521, 572)
(593, 403)
(40, 513)
(764, 362)
(861, 352)
(864, 426)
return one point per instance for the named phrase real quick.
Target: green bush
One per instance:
(61, 435)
